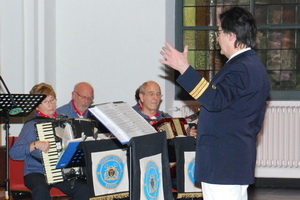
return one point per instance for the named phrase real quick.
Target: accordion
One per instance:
(58, 133)
(69, 129)
(172, 126)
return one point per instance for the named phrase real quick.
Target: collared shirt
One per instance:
(158, 116)
(68, 110)
(239, 52)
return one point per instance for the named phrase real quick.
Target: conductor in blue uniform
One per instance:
(233, 105)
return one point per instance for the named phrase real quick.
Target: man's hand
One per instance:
(174, 58)
(193, 131)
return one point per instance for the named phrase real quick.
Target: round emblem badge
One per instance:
(15, 111)
(191, 169)
(151, 181)
(110, 171)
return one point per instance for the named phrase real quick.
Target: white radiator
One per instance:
(279, 140)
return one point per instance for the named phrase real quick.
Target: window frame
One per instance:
(181, 94)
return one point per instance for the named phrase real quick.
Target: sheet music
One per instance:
(122, 120)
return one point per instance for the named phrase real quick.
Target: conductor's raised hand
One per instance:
(175, 59)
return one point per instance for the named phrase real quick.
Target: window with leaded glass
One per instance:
(278, 23)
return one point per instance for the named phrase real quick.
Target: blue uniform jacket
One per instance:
(232, 111)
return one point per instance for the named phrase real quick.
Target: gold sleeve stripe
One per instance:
(199, 89)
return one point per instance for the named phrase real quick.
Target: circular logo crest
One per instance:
(15, 111)
(151, 181)
(191, 169)
(110, 171)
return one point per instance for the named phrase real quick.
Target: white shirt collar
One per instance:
(239, 52)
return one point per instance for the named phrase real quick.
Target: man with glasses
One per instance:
(82, 98)
(233, 105)
(148, 97)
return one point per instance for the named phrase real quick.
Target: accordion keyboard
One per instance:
(45, 132)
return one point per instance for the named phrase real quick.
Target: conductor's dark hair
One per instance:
(241, 22)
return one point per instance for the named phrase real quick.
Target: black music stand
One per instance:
(16, 105)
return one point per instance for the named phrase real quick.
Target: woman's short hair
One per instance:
(43, 88)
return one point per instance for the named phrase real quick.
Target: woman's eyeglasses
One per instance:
(45, 102)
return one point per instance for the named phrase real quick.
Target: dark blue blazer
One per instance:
(232, 111)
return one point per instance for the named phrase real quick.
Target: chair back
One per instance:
(16, 171)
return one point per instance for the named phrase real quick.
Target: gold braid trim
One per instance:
(199, 89)
(112, 197)
(189, 195)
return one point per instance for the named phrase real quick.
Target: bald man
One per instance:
(82, 98)
(148, 96)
